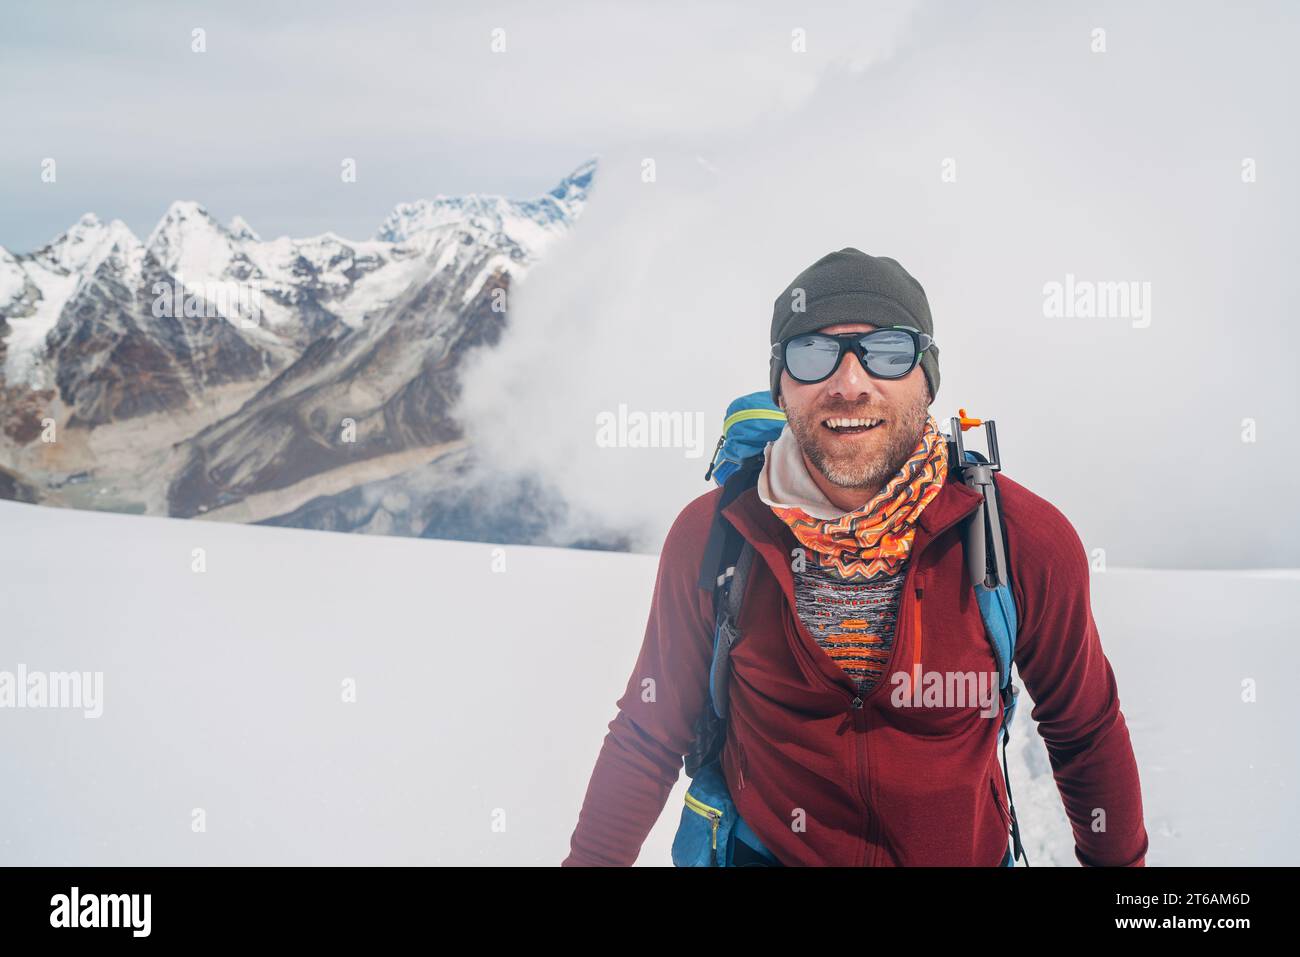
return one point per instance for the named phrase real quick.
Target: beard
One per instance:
(866, 469)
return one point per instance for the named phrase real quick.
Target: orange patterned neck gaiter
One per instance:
(876, 539)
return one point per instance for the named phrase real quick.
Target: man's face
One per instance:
(856, 459)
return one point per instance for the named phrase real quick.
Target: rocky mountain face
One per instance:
(115, 359)
(208, 372)
(312, 417)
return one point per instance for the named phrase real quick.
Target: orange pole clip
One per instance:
(966, 422)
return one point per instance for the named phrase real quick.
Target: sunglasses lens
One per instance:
(810, 358)
(890, 353)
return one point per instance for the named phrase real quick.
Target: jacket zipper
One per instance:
(856, 702)
(860, 743)
(857, 706)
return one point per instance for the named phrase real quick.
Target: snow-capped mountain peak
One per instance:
(189, 243)
(573, 188)
(240, 229)
(88, 242)
(34, 288)
(181, 216)
(529, 224)
(303, 291)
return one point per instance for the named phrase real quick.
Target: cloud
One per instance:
(1122, 166)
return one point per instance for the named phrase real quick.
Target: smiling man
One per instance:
(860, 578)
(851, 447)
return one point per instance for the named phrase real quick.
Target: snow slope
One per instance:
(480, 690)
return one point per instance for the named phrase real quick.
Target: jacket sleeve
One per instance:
(1076, 700)
(642, 753)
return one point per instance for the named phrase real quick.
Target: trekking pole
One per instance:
(988, 570)
(986, 560)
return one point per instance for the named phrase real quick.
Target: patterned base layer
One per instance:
(852, 620)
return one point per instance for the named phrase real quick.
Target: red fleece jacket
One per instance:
(824, 779)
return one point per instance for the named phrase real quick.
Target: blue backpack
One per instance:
(710, 825)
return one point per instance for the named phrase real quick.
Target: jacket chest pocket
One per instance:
(948, 675)
(952, 635)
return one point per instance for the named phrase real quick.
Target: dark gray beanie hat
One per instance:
(850, 286)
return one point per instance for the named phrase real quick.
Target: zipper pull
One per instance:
(916, 632)
(713, 461)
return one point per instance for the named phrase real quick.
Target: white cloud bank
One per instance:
(1123, 166)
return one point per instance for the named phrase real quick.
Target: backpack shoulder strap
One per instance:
(724, 571)
(724, 541)
(727, 628)
(728, 558)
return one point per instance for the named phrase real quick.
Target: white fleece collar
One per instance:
(784, 481)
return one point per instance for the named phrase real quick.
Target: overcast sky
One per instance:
(259, 123)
